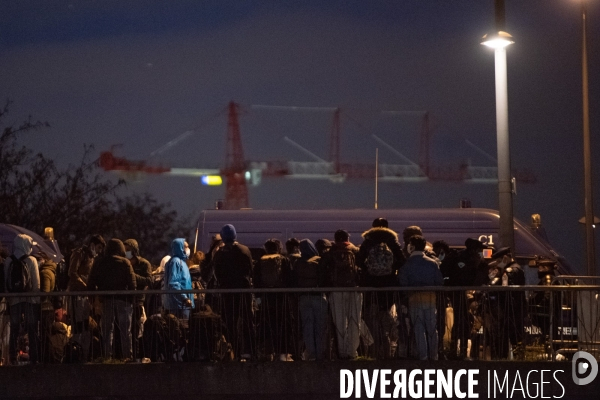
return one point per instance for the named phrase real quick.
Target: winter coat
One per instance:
(328, 261)
(233, 266)
(47, 276)
(307, 270)
(23, 245)
(80, 265)
(143, 276)
(112, 271)
(466, 269)
(177, 277)
(420, 270)
(506, 305)
(267, 258)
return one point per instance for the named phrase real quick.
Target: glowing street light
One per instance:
(499, 41)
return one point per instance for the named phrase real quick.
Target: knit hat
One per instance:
(380, 223)
(228, 233)
(322, 245)
(341, 235)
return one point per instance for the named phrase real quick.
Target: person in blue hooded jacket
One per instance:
(177, 277)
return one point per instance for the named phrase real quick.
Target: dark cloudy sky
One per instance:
(141, 72)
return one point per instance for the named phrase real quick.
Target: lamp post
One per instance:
(587, 157)
(499, 40)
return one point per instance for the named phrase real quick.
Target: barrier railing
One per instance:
(488, 323)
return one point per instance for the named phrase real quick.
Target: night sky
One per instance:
(141, 73)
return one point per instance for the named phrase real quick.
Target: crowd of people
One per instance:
(303, 323)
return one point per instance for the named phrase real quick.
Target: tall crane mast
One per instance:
(236, 192)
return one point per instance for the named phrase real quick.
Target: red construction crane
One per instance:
(236, 192)
(237, 168)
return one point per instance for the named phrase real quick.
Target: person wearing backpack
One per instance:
(380, 258)
(22, 275)
(346, 307)
(233, 266)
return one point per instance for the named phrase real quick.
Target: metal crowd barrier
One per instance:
(488, 323)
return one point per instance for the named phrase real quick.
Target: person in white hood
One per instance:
(29, 307)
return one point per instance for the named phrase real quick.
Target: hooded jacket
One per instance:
(177, 277)
(142, 269)
(47, 276)
(308, 271)
(23, 245)
(371, 238)
(420, 270)
(112, 271)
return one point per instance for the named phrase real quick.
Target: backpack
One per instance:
(343, 268)
(270, 270)
(380, 260)
(156, 338)
(18, 279)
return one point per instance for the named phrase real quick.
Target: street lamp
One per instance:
(587, 157)
(499, 41)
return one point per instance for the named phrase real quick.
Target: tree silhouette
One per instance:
(77, 200)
